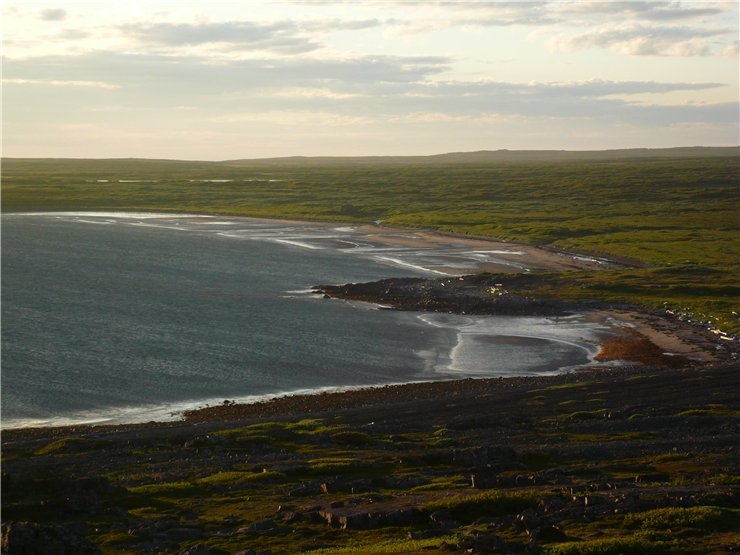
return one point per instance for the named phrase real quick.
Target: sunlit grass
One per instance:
(676, 214)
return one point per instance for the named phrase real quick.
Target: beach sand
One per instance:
(532, 256)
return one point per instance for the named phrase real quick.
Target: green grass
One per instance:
(163, 488)
(674, 518)
(233, 478)
(388, 546)
(490, 503)
(674, 211)
(609, 546)
(712, 411)
(70, 445)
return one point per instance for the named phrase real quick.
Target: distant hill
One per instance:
(478, 157)
(486, 156)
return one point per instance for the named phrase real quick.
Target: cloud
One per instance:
(599, 102)
(157, 77)
(331, 25)
(388, 84)
(578, 13)
(62, 83)
(429, 16)
(53, 15)
(635, 28)
(733, 50)
(641, 40)
(295, 117)
(314, 69)
(279, 37)
(649, 10)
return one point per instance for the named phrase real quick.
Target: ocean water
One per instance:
(114, 317)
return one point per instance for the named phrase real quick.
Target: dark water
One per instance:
(115, 317)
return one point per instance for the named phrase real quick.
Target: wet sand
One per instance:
(531, 256)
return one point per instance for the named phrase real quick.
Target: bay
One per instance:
(112, 317)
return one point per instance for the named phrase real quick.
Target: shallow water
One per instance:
(114, 317)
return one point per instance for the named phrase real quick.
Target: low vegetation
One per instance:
(481, 466)
(673, 211)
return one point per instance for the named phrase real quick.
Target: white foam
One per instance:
(169, 412)
(297, 243)
(399, 262)
(217, 223)
(475, 351)
(98, 222)
(517, 253)
(111, 214)
(158, 226)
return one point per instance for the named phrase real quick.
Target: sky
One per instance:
(214, 80)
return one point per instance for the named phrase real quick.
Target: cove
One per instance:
(125, 317)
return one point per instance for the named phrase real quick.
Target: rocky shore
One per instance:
(472, 294)
(515, 465)
(649, 336)
(635, 456)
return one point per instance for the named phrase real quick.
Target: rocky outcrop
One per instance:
(474, 294)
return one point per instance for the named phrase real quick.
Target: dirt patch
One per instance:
(633, 346)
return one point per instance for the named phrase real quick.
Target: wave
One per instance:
(505, 345)
(112, 214)
(297, 243)
(399, 262)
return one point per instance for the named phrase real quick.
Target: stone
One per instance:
(31, 538)
(548, 533)
(443, 518)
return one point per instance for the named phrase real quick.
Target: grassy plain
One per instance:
(675, 211)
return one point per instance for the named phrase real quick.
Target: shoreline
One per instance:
(476, 465)
(511, 253)
(595, 445)
(672, 336)
(682, 346)
(370, 399)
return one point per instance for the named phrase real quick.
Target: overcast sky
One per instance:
(214, 80)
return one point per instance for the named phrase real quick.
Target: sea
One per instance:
(128, 317)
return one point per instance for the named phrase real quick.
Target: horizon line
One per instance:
(376, 156)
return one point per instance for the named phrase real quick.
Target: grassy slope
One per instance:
(676, 210)
(597, 463)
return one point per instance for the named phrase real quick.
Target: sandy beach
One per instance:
(531, 256)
